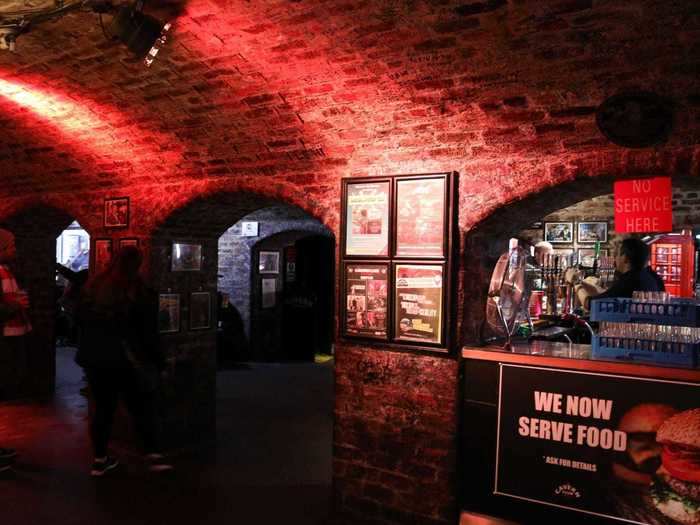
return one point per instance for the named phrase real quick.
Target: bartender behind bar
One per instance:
(634, 275)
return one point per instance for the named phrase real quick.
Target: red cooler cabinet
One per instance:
(673, 258)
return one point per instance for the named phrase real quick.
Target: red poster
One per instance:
(420, 217)
(643, 206)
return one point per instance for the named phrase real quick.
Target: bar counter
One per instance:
(574, 357)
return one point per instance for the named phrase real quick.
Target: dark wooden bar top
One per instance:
(574, 357)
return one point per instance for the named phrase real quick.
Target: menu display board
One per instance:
(366, 298)
(594, 443)
(420, 217)
(419, 303)
(367, 219)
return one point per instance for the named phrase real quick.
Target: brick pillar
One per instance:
(395, 437)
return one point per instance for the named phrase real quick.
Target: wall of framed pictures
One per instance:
(396, 246)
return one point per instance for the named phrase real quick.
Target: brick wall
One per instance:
(281, 99)
(235, 252)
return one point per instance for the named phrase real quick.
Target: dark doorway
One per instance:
(292, 297)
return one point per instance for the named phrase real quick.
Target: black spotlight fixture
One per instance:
(143, 34)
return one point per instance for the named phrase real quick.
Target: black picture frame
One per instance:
(379, 217)
(116, 212)
(104, 252)
(169, 313)
(364, 319)
(268, 262)
(427, 238)
(186, 257)
(200, 310)
(411, 320)
(601, 228)
(558, 232)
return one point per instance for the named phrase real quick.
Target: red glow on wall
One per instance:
(90, 126)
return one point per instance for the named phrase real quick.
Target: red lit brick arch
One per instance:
(36, 229)
(486, 241)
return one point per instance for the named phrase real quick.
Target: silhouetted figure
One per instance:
(14, 325)
(117, 315)
(232, 343)
(68, 301)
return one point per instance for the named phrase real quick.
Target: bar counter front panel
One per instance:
(566, 370)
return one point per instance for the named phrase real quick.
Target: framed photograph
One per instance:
(366, 301)
(269, 262)
(559, 232)
(269, 293)
(421, 212)
(186, 257)
(103, 254)
(591, 232)
(168, 313)
(366, 217)
(200, 310)
(418, 300)
(586, 256)
(116, 212)
(123, 243)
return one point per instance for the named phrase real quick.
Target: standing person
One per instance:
(117, 316)
(14, 306)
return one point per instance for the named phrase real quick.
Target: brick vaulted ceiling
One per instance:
(308, 91)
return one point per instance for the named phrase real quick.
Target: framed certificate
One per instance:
(419, 302)
(366, 217)
(421, 213)
(366, 300)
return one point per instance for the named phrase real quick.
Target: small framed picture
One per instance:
(565, 252)
(586, 256)
(559, 232)
(269, 262)
(116, 213)
(590, 232)
(103, 254)
(186, 257)
(200, 310)
(123, 243)
(168, 313)
(269, 293)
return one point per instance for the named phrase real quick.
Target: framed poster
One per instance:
(591, 232)
(421, 216)
(366, 300)
(586, 256)
(418, 300)
(559, 232)
(366, 218)
(186, 257)
(571, 439)
(269, 291)
(200, 310)
(168, 313)
(103, 254)
(116, 212)
(269, 262)
(123, 243)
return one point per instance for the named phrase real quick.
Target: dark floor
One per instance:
(272, 462)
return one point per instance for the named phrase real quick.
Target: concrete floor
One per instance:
(271, 464)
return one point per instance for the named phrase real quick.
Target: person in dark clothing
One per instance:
(634, 274)
(69, 299)
(117, 316)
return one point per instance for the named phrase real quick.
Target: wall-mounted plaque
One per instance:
(420, 217)
(366, 300)
(367, 218)
(418, 303)
(200, 310)
(169, 313)
(269, 262)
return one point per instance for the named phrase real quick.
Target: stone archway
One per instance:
(36, 230)
(486, 241)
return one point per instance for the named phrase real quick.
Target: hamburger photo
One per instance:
(642, 458)
(676, 488)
